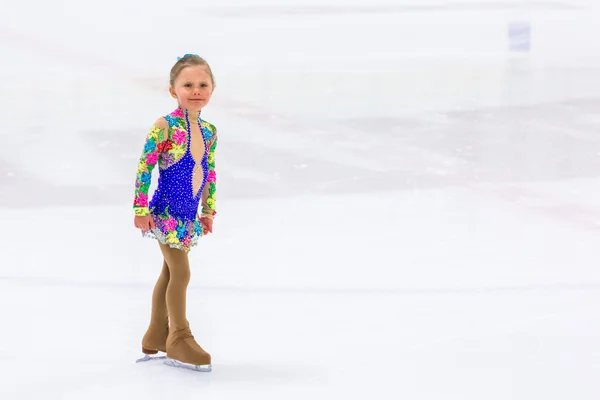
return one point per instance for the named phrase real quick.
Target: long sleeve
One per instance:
(146, 164)
(209, 208)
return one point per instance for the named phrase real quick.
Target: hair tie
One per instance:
(186, 55)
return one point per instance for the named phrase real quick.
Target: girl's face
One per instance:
(192, 88)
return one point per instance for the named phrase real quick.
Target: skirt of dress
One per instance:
(176, 232)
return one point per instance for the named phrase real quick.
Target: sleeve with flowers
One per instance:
(209, 193)
(148, 160)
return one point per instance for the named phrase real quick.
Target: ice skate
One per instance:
(184, 352)
(154, 341)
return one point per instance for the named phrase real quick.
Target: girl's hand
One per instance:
(144, 223)
(207, 224)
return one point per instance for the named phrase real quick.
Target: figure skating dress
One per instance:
(183, 182)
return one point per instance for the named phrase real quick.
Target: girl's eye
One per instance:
(203, 85)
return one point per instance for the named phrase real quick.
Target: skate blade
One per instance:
(178, 364)
(148, 358)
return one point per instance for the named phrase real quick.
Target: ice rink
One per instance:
(409, 206)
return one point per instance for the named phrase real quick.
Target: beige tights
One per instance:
(168, 300)
(160, 315)
(176, 273)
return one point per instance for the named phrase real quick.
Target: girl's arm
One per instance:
(148, 160)
(209, 193)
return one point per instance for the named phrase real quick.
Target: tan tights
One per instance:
(169, 296)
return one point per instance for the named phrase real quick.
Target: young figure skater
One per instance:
(183, 145)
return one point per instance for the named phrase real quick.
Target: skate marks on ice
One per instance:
(491, 146)
(524, 144)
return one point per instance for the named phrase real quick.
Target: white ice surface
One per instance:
(407, 210)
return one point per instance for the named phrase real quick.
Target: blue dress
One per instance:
(183, 182)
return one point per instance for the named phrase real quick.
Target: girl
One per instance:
(183, 145)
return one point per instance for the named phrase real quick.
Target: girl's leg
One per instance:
(155, 338)
(179, 272)
(181, 345)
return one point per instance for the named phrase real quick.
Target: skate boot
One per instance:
(184, 352)
(155, 340)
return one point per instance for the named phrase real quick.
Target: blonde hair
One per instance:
(190, 60)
